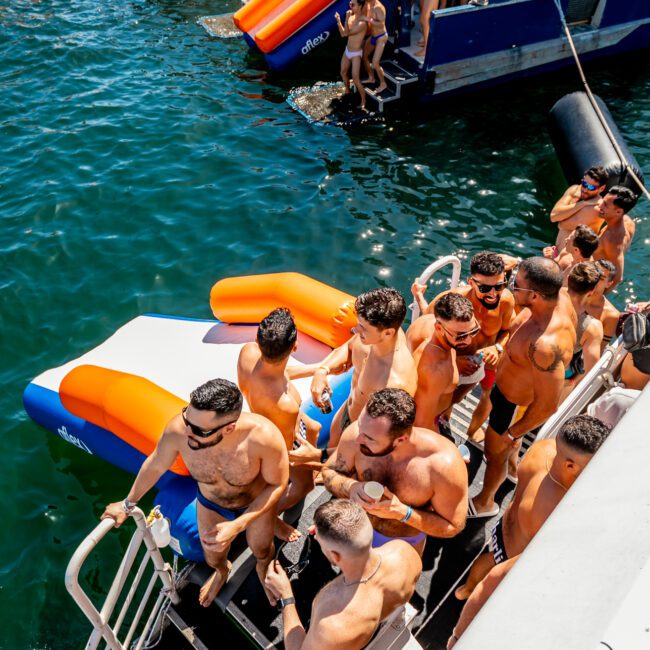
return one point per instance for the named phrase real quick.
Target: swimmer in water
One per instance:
(355, 30)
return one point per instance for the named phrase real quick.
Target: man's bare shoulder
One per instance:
(175, 428)
(536, 456)
(261, 431)
(439, 451)
(549, 351)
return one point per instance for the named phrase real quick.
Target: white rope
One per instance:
(592, 99)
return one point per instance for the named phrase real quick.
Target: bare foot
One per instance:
(318, 478)
(262, 569)
(369, 80)
(285, 532)
(381, 88)
(462, 593)
(213, 584)
(421, 42)
(420, 53)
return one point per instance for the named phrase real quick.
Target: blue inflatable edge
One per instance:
(176, 494)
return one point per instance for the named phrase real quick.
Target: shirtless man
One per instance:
(372, 584)
(583, 279)
(548, 470)
(265, 381)
(598, 306)
(579, 205)
(580, 246)
(531, 373)
(239, 461)
(378, 353)
(376, 18)
(423, 474)
(436, 340)
(355, 31)
(617, 236)
(493, 307)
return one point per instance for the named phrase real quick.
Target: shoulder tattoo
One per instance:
(555, 362)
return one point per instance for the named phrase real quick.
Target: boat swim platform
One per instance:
(242, 600)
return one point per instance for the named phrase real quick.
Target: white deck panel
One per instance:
(179, 354)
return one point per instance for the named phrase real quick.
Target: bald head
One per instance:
(543, 276)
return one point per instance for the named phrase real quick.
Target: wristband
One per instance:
(511, 437)
(128, 506)
(499, 348)
(283, 602)
(407, 516)
(324, 455)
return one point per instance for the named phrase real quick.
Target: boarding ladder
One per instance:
(140, 635)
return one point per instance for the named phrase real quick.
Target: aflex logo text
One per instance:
(63, 432)
(315, 42)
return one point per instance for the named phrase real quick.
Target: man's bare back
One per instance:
(535, 498)
(360, 610)
(572, 210)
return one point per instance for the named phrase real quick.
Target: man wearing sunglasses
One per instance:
(617, 236)
(493, 307)
(373, 583)
(579, 205)
(239, 461)
(530, 375)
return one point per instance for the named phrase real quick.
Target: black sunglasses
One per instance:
(298, 567)
(461, 336)
(200, 433)
(486, 288)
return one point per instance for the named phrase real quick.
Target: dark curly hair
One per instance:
(218, 395)
(486, 263)
(584, 433)
(382, 308)
(395, 404)
(453, 306)
(277, 334)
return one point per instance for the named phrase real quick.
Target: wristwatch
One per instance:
(499, 348)
(283, 602)
(324, 455)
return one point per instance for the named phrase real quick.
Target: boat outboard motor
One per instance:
(581, 142)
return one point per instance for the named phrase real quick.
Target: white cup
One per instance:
(374, 490)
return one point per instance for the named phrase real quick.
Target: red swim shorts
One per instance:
(488, 381)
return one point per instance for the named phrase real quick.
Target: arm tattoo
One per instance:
(338, 479)
(557, 357)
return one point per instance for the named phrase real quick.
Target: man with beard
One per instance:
(423, 474)
(579, 205)
(493, 307)
(531, 373)
(435, 340)
(617, 236)
(240, 463)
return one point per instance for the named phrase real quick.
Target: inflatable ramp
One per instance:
(285, 30)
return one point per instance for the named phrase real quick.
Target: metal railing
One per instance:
(426, 275)
(100, 619)
(599, 377)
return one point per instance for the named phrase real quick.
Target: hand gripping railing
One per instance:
(426, 275)
(100, 619)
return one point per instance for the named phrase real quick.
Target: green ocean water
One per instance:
(140, 161)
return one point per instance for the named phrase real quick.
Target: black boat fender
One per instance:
(581, 142)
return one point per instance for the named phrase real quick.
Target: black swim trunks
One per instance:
(345, 418)
(503, 412)
(497, 546)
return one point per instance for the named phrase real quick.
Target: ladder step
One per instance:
(185, 630)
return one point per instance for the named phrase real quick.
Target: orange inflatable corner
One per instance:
(133, 408)
(323, 312)
(293, 18)
(253, 12)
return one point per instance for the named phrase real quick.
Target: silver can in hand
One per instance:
(327, 403)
